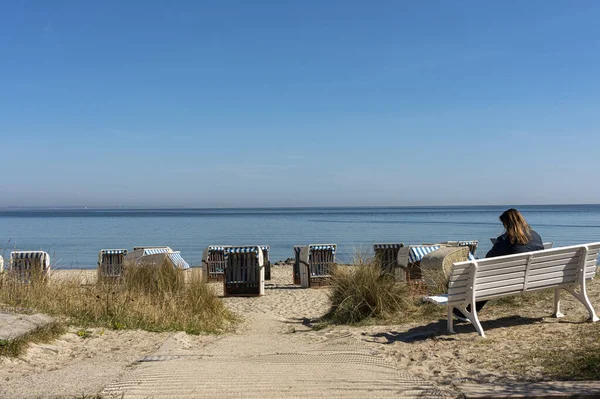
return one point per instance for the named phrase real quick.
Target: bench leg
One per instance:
(475, 321)
(450, 319)
(583, 298)
(557, 313)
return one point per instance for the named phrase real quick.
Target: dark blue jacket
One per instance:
(504, 247)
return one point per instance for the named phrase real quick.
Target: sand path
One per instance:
(273, 355)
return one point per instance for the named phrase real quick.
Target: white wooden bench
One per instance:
(565, 268)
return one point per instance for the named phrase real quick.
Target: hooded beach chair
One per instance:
(386, 255)
(213, 263)
(111, 263)
(157, 259)
(316, 263)
(26, 264)
(244, 271)
(409, 260)
(133, 257)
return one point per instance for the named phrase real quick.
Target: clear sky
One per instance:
(303, 103)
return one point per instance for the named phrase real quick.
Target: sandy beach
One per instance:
(283, 316)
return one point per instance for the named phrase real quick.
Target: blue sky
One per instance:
(306, 103)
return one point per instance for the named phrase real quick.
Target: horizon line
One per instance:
(134, 207)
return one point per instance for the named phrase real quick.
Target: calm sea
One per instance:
(74, 237)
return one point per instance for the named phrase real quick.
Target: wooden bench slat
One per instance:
(499, 277)
(500, 283)
(542, 265)
(499, 290)
(569, 276)
(571, 266)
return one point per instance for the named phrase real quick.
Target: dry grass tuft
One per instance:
(147, 298)
(16, 347)
(362, 293)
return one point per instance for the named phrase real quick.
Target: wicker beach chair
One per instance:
(24, 265)
(244, 271)
(315, 264)
(409, 260)
(436, 267)
(173, 258)
(386, 255)
(213, 263)
(111, 263)
(133, 257)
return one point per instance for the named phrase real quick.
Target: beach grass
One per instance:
(362, 294)
(16, 347)
(146, 298)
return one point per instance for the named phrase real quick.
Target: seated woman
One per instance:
(518, 238)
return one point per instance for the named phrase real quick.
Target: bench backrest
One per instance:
(514, 274)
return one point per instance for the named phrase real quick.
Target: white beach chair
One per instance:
(387, 256)
(111, 263)
(157, 259)
(133, 257)
(1, 264)
(316, 261)
(244, 271)
(25, 264)
(213, 263)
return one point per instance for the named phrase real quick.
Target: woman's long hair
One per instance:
(517, 229)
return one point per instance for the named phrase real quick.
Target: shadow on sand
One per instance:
(438, 328)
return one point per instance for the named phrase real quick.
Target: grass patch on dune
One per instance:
(362, 294)
(147, 298)
(16, 347)
(574, 359)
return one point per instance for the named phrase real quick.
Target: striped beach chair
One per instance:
(133, 257)
(472, 244)
(244, 271)
(316, 262)
(266, 260)
(409, 261)
(213, 263)
(111, 263)
(386, 255)
(26, 264)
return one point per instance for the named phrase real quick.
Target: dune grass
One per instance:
(16, 347)
(362, 294)
(146, 298)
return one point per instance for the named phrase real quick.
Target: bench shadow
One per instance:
(438, 328)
